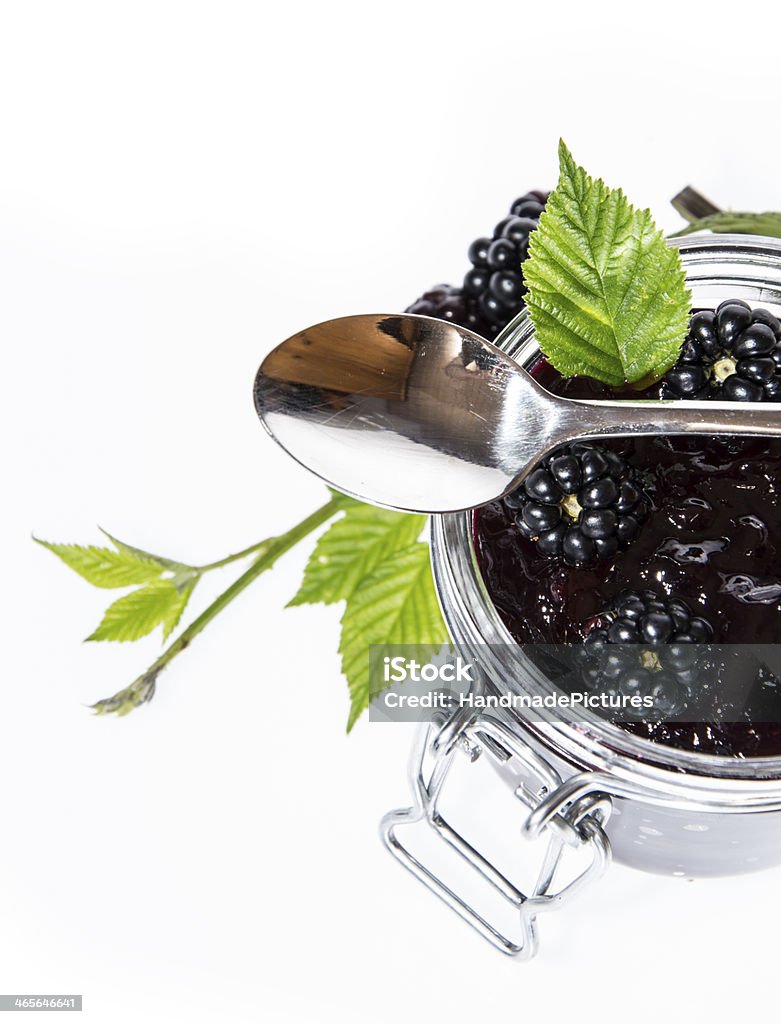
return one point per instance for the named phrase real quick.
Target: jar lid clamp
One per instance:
(566, 821)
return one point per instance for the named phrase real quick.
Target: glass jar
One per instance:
(586, 782)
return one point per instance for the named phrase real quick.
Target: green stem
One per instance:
(233, 558)
(269, 550)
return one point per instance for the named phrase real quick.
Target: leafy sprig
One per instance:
(370, 558)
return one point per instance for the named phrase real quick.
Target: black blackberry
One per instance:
(647, 646)
(443, 301)
(732, 353)
(492, 291)
(582, 503)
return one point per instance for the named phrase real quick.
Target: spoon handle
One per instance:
(625, 419)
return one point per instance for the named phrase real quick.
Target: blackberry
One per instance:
(582, 503)
(443, 301)
(647, 646)
(732, 354)
(492, 291)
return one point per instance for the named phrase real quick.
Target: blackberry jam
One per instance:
(713, 539)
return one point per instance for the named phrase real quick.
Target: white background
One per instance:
(183, 185)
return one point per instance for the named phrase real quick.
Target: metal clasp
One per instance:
(559, 814)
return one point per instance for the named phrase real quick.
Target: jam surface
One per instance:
(713, 539)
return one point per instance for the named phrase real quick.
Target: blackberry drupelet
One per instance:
(732, 353)
(647, 646)
(492, 291)
(582, 503)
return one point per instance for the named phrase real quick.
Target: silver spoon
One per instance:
(417, 414)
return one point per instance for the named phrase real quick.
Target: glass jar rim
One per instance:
(590, 742)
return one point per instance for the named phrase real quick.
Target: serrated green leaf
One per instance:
(120, 545)
(103, 567)
(136, 614)
(351, 548)
(176, 610)
(396, 604)
(768, 224)
(606, 294)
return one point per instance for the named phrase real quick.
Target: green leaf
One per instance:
(396, 604)
(177, 607)
(351, 548)
(120, 545)
(103, 567)
(607, 295)
(136, 614)
(737, 223)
